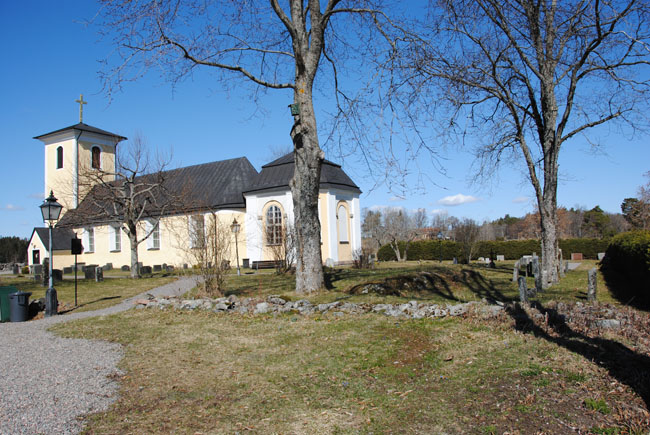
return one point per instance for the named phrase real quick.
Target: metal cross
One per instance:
(81, 107)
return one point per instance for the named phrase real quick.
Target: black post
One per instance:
(75, 280)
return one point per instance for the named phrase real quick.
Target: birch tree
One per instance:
(133, 197)
(525, 77)
(272, 45)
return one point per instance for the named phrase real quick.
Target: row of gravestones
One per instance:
(532, 269)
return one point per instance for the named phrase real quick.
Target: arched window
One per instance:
(96, 158)
(59, 158)
(343, 224)
(273, 225)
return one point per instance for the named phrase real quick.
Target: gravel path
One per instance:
(48, 382)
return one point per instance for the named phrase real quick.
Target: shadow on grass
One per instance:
(482, 287)
(108, 298)
(626, 289)
(622, 363)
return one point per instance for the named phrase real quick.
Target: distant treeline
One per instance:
(13, 250)
(511, 249)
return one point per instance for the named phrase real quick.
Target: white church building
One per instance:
(261, 202)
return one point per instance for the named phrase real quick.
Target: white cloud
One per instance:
(520, 199)
(396, 198)
(11, 207)
(458, 199)
(439, 211)
(36, 195)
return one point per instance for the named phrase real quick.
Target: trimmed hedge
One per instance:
(510, 249)
(629, 255)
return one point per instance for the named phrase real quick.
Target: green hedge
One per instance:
(511, 249)
(629, 255)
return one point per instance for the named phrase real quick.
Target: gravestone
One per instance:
(108, 266)
(501, 258)
(157, 268)
(89, 271)
(515, 272)
(125, 268)
(145, 270)
(591, 285)
(545, 283)
(57, 275)
(15, 269)
(601, 255)
(81, 267)
(99, 274)
(566, 266)
(535, 268)
(169, 268)
(164, 266)
(67, 270)
(455, 260)
(184, 265)
(140, 265)
(329, 262)
(576, 256)
(523, 291)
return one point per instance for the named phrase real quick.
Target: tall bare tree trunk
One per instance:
(133, 241)
(304, 189)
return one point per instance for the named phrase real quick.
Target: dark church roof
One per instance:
(83, 127)
(208, 186)
(278, 173)
(60, 238)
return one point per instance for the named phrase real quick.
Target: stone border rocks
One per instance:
(276, 305)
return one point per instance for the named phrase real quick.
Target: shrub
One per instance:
(510, 249)
(627, 267)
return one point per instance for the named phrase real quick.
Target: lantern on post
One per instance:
(51, 210)
(235, 227)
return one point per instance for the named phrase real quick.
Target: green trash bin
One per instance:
(5, 312)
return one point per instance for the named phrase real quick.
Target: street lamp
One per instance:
(51, 210)
(235, 230)
(440, 237)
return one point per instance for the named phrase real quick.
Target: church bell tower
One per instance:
(71, 153)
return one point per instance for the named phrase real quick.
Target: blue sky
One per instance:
(50, 57)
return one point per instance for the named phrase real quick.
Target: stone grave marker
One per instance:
(57, 275)
(455, 260)
(591, 285)
(576, 256)
(146, 270)
(601, 255)
(15, 269)
(157, 268)
(535, 268)
(501, 258)
(99, 274)
(515, 272)
(89, 271)
(184, 265)
(523, 291)
(108, 266)
(67, 270)
(125, 268)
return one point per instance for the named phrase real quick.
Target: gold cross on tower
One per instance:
(81, 107)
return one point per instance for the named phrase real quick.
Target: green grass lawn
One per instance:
(455, 283)
(91, 295)
(197, 372)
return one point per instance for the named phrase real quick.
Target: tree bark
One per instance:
(305, 186)
(133, 241)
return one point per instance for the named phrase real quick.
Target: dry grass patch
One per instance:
(91, 295)
(201, 372)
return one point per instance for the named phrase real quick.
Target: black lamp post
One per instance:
(51, 210)
(440, 237)
(235, 230)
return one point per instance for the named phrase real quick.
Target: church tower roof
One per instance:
(82, 127)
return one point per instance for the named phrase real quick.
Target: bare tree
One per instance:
(372, 228)
(525, 77)
(273, 46)
(637, 210)
(467, 234)
(400, 226)
(209, 250)
(283, 251)
(133, 197)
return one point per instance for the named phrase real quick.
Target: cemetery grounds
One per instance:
(549, 368)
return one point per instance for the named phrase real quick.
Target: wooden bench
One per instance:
(268, 264)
